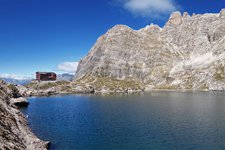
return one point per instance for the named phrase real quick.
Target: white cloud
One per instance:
(149, 8)
(13, 76)
(69, 67)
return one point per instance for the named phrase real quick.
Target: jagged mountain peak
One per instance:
(222, 13)
(188, 52)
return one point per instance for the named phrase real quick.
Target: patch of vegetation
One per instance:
(204, 87)
(31, 84)
(189, 82)
(166, 87)
(219, 75)
(2, 93)
(112, 84)
(14, 91)
(166, 53)
(63, 82)
(66, 88)
(46, 85)
(108, 83)
(11, 86)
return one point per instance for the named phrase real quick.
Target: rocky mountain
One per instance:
(187, 53)
(17, 81)
(14, 131)
(65, 77)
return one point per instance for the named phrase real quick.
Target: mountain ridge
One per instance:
(187, 53)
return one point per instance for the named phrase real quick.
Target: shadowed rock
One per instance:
(20, 102)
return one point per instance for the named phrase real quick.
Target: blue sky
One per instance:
(41, 35)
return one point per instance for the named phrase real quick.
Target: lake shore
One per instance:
(159, 120)
(15, 132)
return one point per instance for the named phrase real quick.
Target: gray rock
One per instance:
(187, 53)
(65, 77)
(20, 102)
(222, 13)
(14, 131)
(185, 14)
(175, 19)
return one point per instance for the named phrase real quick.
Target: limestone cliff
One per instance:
(14, 131)
(187, 53)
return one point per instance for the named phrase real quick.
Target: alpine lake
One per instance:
(151, 121)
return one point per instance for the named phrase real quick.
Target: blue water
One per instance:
(158, 120)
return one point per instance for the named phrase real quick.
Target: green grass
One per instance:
(108, 83)
(11, 86)
(219, 75)
(47, 85)
(166, 87)
(31, 84)
(2, 93)
(204, 87)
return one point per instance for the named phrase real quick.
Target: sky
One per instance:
(53, 35)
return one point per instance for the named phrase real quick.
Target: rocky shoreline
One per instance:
(77, 88)
(99, 86)
(14, 130)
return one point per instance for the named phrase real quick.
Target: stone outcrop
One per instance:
(222, 13)
(175, 19)
(14, 131)
(20, 102)
(187, 53)
(47, 88)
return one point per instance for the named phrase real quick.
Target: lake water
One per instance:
(157, 120)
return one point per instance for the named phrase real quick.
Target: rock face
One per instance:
(14, 131)
(47, 88)
(187, 53)
(20, 102)
(65, 77)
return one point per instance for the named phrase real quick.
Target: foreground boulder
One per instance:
(20, 102)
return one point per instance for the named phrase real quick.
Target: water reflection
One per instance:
(155, 120)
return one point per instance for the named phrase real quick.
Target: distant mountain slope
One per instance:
(65, 76)
(187, 53)
(16, 81)
(60, 77)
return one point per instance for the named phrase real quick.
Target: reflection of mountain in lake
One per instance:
(155, 121)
